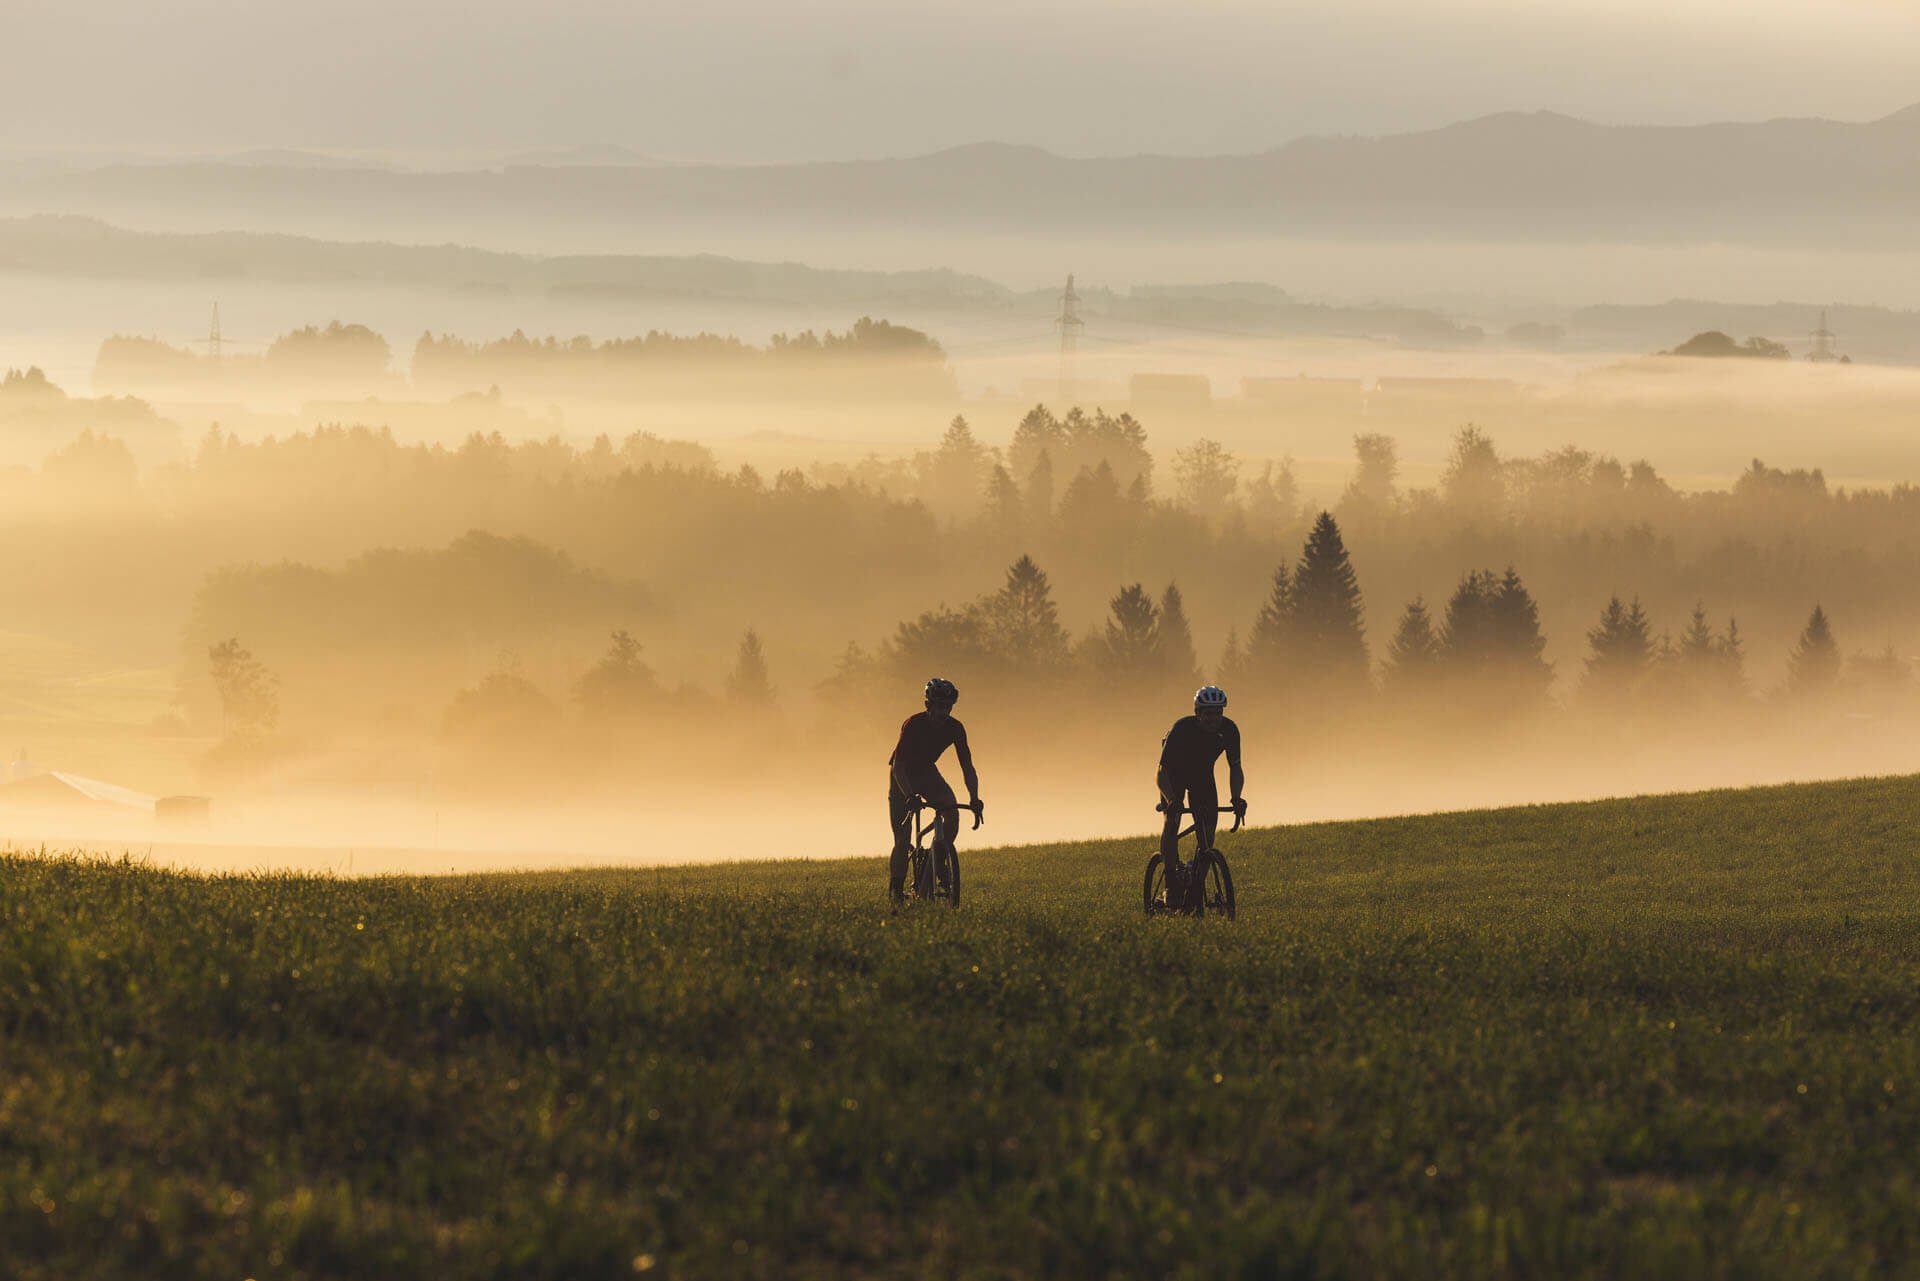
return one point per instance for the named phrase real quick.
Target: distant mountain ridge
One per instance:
(1532, 175)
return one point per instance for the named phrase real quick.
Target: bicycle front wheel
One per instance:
(1153, 890)
(949, 877)
(1217, 887)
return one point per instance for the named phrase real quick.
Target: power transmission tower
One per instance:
(1823, 352)
(1070, 324)
(213, 335)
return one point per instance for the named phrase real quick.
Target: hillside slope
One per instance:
(1662, 1036)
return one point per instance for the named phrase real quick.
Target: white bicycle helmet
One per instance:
(1210, 696)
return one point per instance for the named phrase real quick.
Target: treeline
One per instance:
(1307, 650)
(841, 555)
(872, 359)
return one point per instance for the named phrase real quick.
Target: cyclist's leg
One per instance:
(1203, 797)
(947, 806)
(900, 815)
(1170, 829)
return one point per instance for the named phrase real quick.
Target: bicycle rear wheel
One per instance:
(1216, 889)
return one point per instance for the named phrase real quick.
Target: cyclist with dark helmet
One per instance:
(911, 772)
(1185, 776)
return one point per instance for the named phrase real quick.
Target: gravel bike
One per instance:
(1204, 885)
(933, 872)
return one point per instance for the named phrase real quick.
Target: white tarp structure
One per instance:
(57, 790)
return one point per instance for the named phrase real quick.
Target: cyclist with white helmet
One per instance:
(911, 771)
(1185, 777)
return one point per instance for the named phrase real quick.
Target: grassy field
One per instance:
(1670, 1036)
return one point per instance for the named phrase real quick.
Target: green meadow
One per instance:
(1670, 1036)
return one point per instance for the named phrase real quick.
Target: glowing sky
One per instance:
(759, 80)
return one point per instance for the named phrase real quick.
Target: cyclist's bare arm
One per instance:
(965, 756)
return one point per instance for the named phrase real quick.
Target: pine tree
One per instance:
(1040, 491)
(1233, 662)
(1270, 644)
(1698, 652)
(1131, 646)
(1467, 644)
(1622, 652)
(1813, 668)
(620, 685)
(1025, 624)
(953, 479)
(1733, 660)
(1005, 513)
(1325, 606)
(1516, 622)
(1178, 661)
(1413, 656)
(749, 684)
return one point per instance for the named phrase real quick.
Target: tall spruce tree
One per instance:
(1328, 632)
(1005, 511)
(1270, 647)
(1233, 661)
(1467, 645)
(1621, 650)
(1733, 660)
(1132, 641)
(1025, 624)
(1813, 669)
(1516, 622)
(749, 683)
(1178, 660)
(1413, 656)
(1040, 491)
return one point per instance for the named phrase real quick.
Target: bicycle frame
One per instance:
(922, 829)
(1238, 819)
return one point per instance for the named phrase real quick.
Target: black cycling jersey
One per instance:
(1190, 748)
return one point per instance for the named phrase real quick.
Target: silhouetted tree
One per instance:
(1621, 651)
(1024, 622)
(1413, 656)
(249, 698)
(1517, 631)
(1273, 497)
(1040, 491)
(1491, 638)
(1178, 661)
(1130, 649)
(749, 684)
(1204, 475)
(1377, 463)
(505, 708)
(1005, 511)
(1813, 668)
(1270, 646)
(620, 685)
(1473, 477)
(1233, 664)
(1327, 629)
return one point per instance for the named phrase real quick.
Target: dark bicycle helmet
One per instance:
(1209, 696)
(942, 690)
